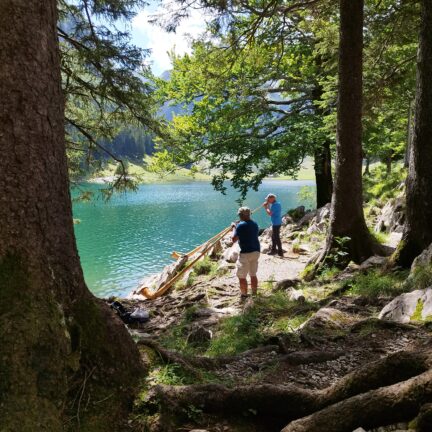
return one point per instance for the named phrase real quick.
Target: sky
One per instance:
(150, 36)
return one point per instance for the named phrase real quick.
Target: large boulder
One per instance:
(231, 254)
(392, 217)
(326, 323)
(412, 306)
(424, 259)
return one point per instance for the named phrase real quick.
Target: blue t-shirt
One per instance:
(276, 216)
(247, 232)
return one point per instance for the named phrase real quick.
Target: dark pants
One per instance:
(276, 241)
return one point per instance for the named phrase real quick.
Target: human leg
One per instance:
(243, 286)
(242, 272)
(277, 239)
(253, 268)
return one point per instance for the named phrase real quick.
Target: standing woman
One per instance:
(274, 209)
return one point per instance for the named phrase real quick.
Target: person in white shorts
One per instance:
(246, 233)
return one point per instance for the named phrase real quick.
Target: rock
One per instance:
(199, 335)
(325, 323)
(287, 220)
(156, 281)
(306, 219)
(297, 213)
(392, 217)
(412, 306)
(285, 284)
(373, 261)
(224, 266)
(360, 429)
(231, 255)
(296, 295)
(424, 259)
(323, 214)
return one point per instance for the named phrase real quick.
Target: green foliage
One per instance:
(307, 197)
(380, 186)
(236, 334)
(205, 266)
(162, 164)
(268, 315)
(375, 284)
(420, 278)
(106, 85)
(380, 237)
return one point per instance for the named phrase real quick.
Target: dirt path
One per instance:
(213, 296)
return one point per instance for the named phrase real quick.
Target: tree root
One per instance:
(285, 403)
(386, 405)
(191, 363)
(381, 324)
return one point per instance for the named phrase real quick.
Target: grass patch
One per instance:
(236, 334)
(289, 324)
(375, 284)
(205, 267)
(268, 284)
(269, 315)
(328, 272)
(186, 283)
(380, 237)
(420, 278)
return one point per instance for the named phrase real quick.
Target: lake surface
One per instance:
(134, 234)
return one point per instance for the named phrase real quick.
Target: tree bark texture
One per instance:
(418, 229)
(347, 218)
(322, 156)
(323, 174)
(59, 346)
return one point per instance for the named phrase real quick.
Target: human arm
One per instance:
(266, 206)
(234, 236)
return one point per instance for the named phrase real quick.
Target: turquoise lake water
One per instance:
(134, 234)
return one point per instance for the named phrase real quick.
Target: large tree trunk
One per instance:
(347, 218)
(418, 228)
(63, 358)
(322, 156)
(323, 174)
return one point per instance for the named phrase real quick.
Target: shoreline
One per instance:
(111, 178)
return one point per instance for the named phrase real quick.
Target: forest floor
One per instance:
(203, 334)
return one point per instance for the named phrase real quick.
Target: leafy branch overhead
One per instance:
(259, 89)
(106, 82)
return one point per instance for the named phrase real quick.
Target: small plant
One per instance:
(205, 266)
(193, 413)
(269, 283)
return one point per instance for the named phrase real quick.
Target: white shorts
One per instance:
(247, 263)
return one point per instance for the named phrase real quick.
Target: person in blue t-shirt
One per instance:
(246, 233)
(274, 210)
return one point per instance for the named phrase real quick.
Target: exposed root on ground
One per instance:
(394, 387)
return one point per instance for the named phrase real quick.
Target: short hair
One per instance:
(244, 211)
(270, 195)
